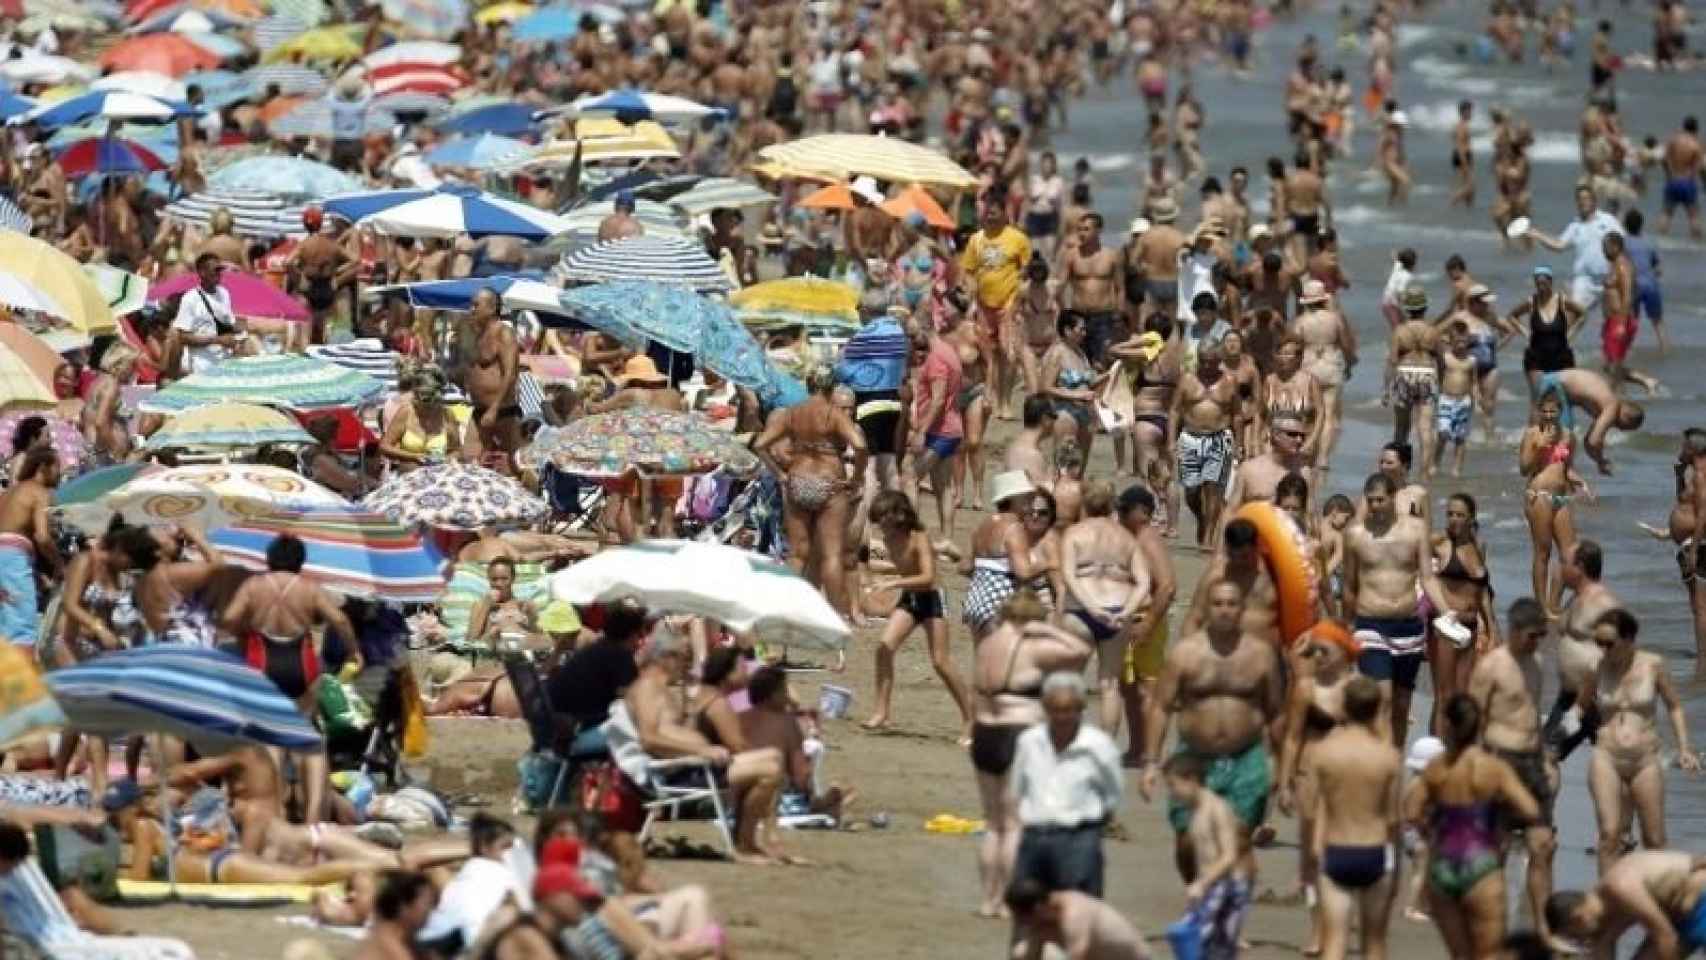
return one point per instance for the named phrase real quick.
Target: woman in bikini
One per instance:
(921, 605)
(1545, 458)
(1292, 391)
(1627, 759)
(1038, 312)
(1070, 380)
(1008, 676)
(1242, 369)
(1458, 803)
(973, 405)
(818, 497)
(1155, 359)
(1467, 584)
(1679, 529)
(422, 432)
(500, 613)
(1552, 324)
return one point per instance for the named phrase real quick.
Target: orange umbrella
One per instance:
(41, 359)
(916, 199)
(168, 53)
(278, 107)
(836, 196)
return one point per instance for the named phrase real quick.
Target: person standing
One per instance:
(26, 544)
(1462, 157)
(1106, 584)
(1201, 431)
(936, 427)
(993, 260)
(205, 329)
(492, 382)
(1573, 718)
(1329, 354)
(1067, 783)
(1586, 237)
(1412, 374)
(1358, 776)
(1146, 647)
(1683, 159)
(1618, 302)
(1649, 299)
(1094, 288)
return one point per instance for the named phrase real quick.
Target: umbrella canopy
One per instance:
(306, 13)
(66, 437)
(409, 102)
(806, 301)
(249, 489)
(659, 259)
(660, 220)
(361, 204)
(185, 18)
(169, 53)
(547, 25)
(370, 357)
(251, 296)
(502, 117)
(46, 268)
(456, 496)
(507, 11)
(293, 382)
(322, 44)
(106, 104)
(313, 118)
(720, 193)
(41, 359)
(835, 196)
(644, 441)
(517, 293)
(453, 210)
(12, 105)
(270, 33)
(253, 214)
(848, 155)
(20, 295)
(434, 52)
(205, 696)
(351, 553)
(745, 591)
(432, 18)
(227, 425)
(92, 486)
(632, 106)
(147, 82)
(916, 199)
(292, 177)
(874, 359)
(218, 44)
(291, 79)
(20, 386)
(108, 155)
(416, 78)
(123, 291)
(42, 68)
(25, 704)
(481, 152)
(606, 140)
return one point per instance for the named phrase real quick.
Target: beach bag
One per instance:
(342, 710)
(538, 776)
(708, 497)
(607, 791)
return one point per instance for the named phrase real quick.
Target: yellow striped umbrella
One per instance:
(604, 140)
(508, 11)
(809, 301)
(20, 387)
(846, 155)
(228, 425)
(322, 43)
(45, 268)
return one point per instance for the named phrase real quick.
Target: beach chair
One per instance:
(32, 911)
(553, 735)
(675, 789)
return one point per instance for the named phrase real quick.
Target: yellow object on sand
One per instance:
(220, 894)
(949, 824)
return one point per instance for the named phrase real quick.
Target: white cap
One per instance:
(1422, 753)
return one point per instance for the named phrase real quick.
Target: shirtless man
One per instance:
(1412, 373)
(1306, 206)
(1257, 477)
(1657, 890)
(1107, 582)
(1592, 392)
(26, 542)
(1358, 778)
(1462, 157)
(1147, 643)
(1622, 322)
(1079, 925)
(1232, 214)
(1387, 556)
(1240, 561)
(1568, 723)
(1158, 249)
(1511, 169)
(1200, 429)
(868, 231)
(1329, 355)
(1506, 685)
(319, 266)
(1025, 451)
(1389, 155)
(1095, 288)
(1224, 686)
(491, 382)
(621, 223)
(1683, 158)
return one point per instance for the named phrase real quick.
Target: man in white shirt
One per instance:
(1586, 236)
(205, 326)
(1067, 782)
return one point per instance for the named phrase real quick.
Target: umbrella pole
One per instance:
(159, 745)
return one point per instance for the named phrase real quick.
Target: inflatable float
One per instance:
(1285, 549)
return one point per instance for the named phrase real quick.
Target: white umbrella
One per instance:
(20, 295)
(435, 52)
(744, 591)
(41, 68)
(143, 81)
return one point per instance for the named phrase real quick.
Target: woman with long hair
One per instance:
(1465, 580)
(1545, 458)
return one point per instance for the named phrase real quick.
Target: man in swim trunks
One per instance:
(1456, 404)
(1146, 650)
(491, 382)
(1387, 557)
(1578, 656)
(1682, 161)
(1224, 686)
(1158, 249)
(1663, 891)
(1506, 683)
(27, 544)
(1200, 429)
(1094, 288)
(1621, 324)
(320, 266)
(1258, 477)
(1306, 206)
(1357, 775)
(1412, 373)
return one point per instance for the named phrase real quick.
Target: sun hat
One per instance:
(640, 369)
(1422, 753)
(1139, 226)
(866, 189)
(1314, 291)
(1480, 292)
(1005, 486)
(1260, 230)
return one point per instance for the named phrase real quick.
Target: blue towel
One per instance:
(20, 620)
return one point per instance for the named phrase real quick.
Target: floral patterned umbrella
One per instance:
(456, 496)
(644, 441)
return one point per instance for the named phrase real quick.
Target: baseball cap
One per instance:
(121, 794)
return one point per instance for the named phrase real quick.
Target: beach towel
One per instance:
(149, 892)
(19, 618)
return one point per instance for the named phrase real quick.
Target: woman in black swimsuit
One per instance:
(1552, 321)
(1011, 664)
(1461, 567)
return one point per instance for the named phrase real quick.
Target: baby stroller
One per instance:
(373, 747)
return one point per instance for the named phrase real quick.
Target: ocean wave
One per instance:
(1548, 147)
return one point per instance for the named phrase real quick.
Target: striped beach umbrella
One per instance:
(147, 82)
(291, 79)
(352, 553)
(13, 218)
(408, 101)
(25, 704)
(253, 214)
(632, 106)
(108, 155)
(663, 260)
(292, 382)
(456, 496)
(314, 119)
(720, 193)
(371, 358)
(204, 696)
(659, 219)
(454, 210)
(92, 486)
(435, 52)
(847, 155)
(281, 28)
(242, 425)
(107, 105)
(291, 177)
(416, 77)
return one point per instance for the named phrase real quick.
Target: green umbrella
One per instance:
(96, 484)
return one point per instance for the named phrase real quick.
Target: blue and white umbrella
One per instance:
(504, 117)
(13, 105)
(372, 358)
(720, 193)
(454, 210)
(433, 18)
(283, 177)
(359, 204)
(270, 32)
(662, 260)
(262, 215)
(107, 104)
(204, 696)
(291, 79)
(146, 82)
(482, 152)
(13, 218)
(632, 106)
(314, 119)
(517, 293)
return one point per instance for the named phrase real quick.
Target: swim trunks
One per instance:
(1451, 417)
(1414, 386)
(1616, 337)
(1204, 457)
(1242, 780)
(1682, 192)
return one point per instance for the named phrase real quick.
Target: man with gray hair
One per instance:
(1066, 783)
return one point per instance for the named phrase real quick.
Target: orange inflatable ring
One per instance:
(1286, 550)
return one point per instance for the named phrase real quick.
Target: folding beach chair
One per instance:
(32, 910)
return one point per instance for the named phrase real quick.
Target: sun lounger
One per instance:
(32, 910)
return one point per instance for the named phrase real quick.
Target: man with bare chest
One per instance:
(1095, 288)
(491, 381)
(26, 543)
(1158, 249)
(1258, 477)
(317, 262)
(1201, 432)
(1682, 161)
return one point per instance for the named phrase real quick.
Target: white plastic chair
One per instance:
(32, 910)
(667, 801)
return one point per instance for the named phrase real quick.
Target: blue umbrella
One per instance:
(547, 25)
(350, 552)
(283, 177)
(486, 150)
(631, 106)
(504, 117)
(517, 293)
(109, 104)
(11, 104)
(356, 206)
(204, 696)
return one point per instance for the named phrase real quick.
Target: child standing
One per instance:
(1220, 895)
(1456, 401)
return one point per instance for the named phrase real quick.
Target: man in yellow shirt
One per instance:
(994, 261)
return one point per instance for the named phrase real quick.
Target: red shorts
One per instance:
(1617, 336)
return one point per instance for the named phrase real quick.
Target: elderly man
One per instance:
(1659, 890)
(492, 382)
(621, 223)
(1066, 783)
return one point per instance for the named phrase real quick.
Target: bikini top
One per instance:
(1637, 697)
(1453, 569)
(1318, 721)
(416, 441)
(1032, 691)
(1074, 379)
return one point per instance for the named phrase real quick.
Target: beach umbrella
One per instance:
(501, 117)
(41, 359)
(802, 301)
(45, 68)
(456, 496)
(251, 296)
(269, 33)
(184, 18)
(409, 102)
(292, 382)
(241, 425)
(371, 358)
(207, 697)
(90, 487)
(835, 196)
(517, 293)
(123, 291)
(505, 11)
(21, 387)
(431, 18)
(847, 155)
(253, 214)
(659, 220)
(313, 118)
(352, 553)
(108, 155)
(147, 82)
(745, 591)
(358, 205)
(169, 53)
(46, 268)
(547, 25)
(416, 78)
(21, 295)
(607, 140)
(660, 259)
(293, 177)
(248, 489)
(25, 703)
(321, 44)
(13, 217)
(720, 193)
(640, 440)
(106, 105)
(308, 13)
(632, 106)
(435, 52)
(66, 437)
(454, 210)
(485, 150)
(149, 502)
(218, 44)
(916, 199)
(13, 105)
(290, 79)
